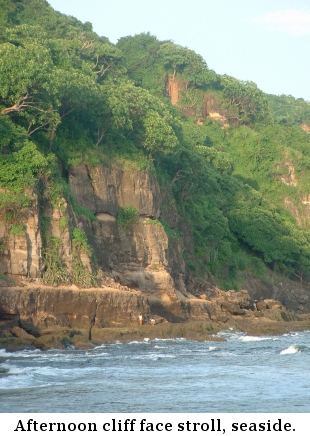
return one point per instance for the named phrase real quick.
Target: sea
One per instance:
(243, 374)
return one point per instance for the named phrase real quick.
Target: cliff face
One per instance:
(20, 253)
(143, 269)
(42, 307)
(137, 255)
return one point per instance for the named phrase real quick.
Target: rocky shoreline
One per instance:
(64, 338)
(34, 316)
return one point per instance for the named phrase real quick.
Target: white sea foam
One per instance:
(229, 335)
(292, 349)
(145, 341)
(21, 354)
(98, 347)
(212, 348)
(153, 356)
(15, 370)
(158, 346)
(94, 356)
(164, 340)
(255, 338)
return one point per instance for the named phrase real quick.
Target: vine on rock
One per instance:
(81, 275)
(55, 270)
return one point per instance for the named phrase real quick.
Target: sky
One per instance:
(265, 41)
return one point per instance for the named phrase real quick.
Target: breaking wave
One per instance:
(292, 349)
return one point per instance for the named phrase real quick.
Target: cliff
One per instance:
(136, 267)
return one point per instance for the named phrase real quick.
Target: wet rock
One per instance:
(232, 307)
(22, 334)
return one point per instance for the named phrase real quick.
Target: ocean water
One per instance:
(243, 374)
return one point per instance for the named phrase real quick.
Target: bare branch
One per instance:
(178, 176)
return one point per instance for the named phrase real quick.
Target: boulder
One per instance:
(232, 308)
(22, 334)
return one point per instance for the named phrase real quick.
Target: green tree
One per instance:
(27, 87)
(178, 59)
(251, 102)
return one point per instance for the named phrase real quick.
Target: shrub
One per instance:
(17, 230)
(127, 215)
(81, 275)
(56, 272)
(152, 222)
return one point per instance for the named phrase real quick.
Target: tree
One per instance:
(158, 135)
(178, 59)
(251, 102)
(27, 87)
(131, 111)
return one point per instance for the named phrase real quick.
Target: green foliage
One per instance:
(288, 110)
(17, 230)
(172, 234)
(66, 342)
(13, 202)
(251, 102)
(81, 275)
(141, 61)
(63, 224)
(13, 221)
(127, 215)
(21, 168)
(44, 222)
(56, 272)
(70, 97)
(153, 222)
(189, 64)
(80, 242)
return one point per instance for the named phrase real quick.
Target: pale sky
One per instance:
(266, 41)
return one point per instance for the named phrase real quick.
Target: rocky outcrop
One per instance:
(20, 242)
(38, 308)
(137, 255)
(104, 190)
(305, 127)
(174, 88)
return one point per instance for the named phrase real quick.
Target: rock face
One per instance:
(106, 190)
(38, 308)
(143, 268)
(21, 253)
(174, 88)
(137, 255)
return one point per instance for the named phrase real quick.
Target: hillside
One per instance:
(136, 164)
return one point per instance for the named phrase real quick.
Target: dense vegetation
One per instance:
(69, 96)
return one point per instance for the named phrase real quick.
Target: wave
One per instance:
(3, 370)
(229, 335)
(255, 338)
(98, 347)
(292, 349)
(22, 353)
(164, 340)
(153, 356)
